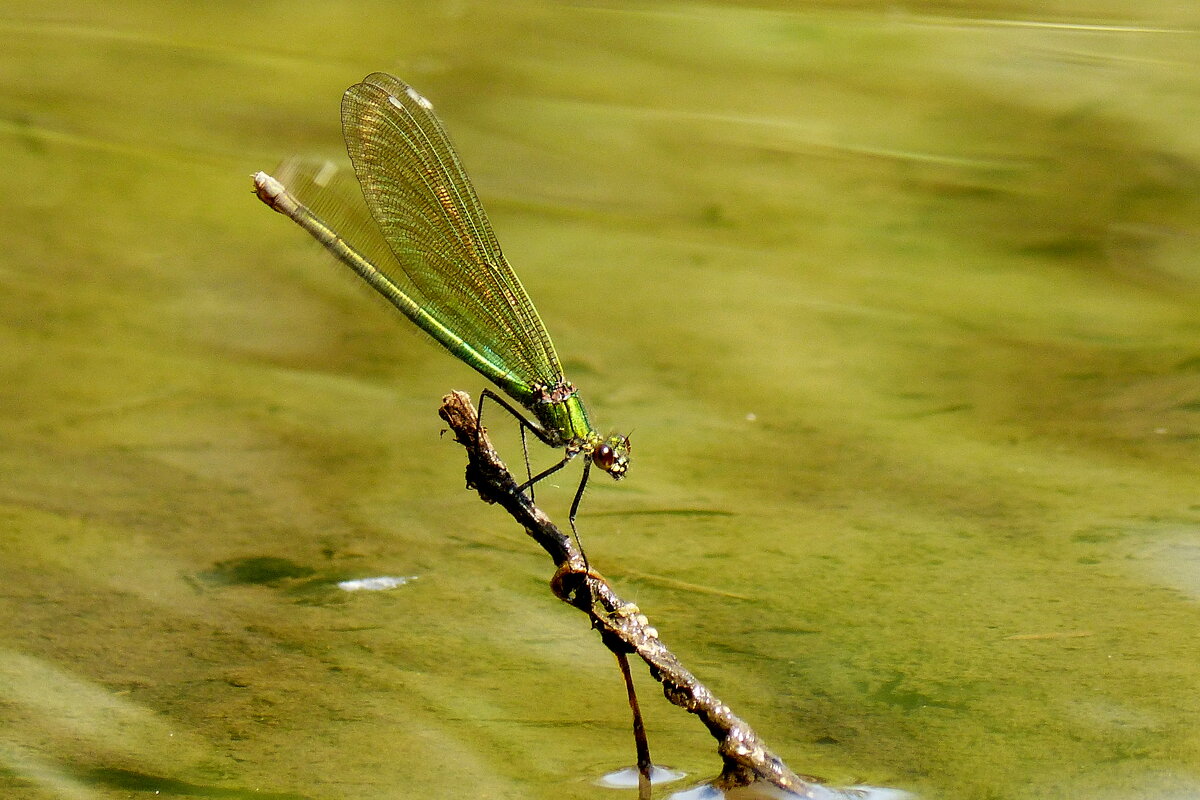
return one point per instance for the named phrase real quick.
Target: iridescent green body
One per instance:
(427, 246)
(568, 417)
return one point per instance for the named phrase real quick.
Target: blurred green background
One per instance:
(898, 301)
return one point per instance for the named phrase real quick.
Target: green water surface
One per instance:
(900, 302)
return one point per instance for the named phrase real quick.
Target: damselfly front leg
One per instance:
(573, 450)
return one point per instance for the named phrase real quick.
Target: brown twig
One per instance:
(644, 764)
(623, 628)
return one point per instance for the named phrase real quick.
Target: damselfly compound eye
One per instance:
(604, 457)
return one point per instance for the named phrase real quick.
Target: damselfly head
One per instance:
(612, 456)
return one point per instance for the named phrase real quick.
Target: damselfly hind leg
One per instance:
(523, 424)
(525, 453)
